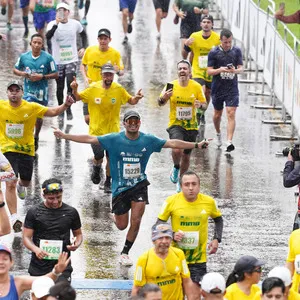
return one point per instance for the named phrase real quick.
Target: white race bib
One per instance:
(184, 113)
(131, 170)
(14, 131)
(66, 53)
(52, 247)
(227, 76)
(202, 62)
(190, 240)
(297, 264)
(46, 3)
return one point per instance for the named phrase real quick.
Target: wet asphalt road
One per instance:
(247, 184)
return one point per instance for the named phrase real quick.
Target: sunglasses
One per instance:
(133, 121)
(52, 187)
(258, 270)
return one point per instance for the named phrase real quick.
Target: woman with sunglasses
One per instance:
(242, 281)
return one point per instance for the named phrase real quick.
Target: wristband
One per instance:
(2, 204)
(196, 145)
(186, 48)
(56, 274)
(44, 77)
(161, 100)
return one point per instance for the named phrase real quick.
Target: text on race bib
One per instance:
(190, 240)
(227, 76)
(52, 247)
(202, 61)
(184, 113)
(14, 131)
(131, 170)
(66, 53)
(46, 3)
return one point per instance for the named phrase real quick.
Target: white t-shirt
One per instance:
(6, 173)
(64, 41)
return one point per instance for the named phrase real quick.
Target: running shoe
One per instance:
(84, 21)
(3, 10)
(9, 27)
(125, 260)
(174, 175)
(69, 114)
(178, 187)
(26, 33)
(125, 40)
(219, 140)
(21, 190)
(129, 28)
(17, 226)
(107, 187)
(95, 177)
(36, 143)
(158, 36)
(230, 147)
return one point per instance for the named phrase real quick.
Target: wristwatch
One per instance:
(56, 274)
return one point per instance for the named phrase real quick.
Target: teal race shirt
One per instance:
(44, 64)
(128, 158)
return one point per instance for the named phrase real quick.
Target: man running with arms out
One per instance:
(129, 152)
(165, 266)
(199, 44)
(104, 99)
(47, 229)
(37, 67)
(189, 212)
(224, 63)
(94, 58)
(63, 35)
(17, 120)
(185, 97)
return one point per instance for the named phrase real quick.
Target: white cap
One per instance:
(63, 5)
(41, 286)
(283, 273)
(211, 281)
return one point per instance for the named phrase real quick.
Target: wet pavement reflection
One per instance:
(247, 183)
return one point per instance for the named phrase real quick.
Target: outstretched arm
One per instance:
(84, 138)
(178, 144)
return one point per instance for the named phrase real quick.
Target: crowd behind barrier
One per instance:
(257, 30)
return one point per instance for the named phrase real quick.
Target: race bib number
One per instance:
(202, 62)
(131, 170)
(52, 247)
(66, 53)
(297, 264)
(46, 3)
(190, 240)
(227, 76)
(14, 131)
(184, 113)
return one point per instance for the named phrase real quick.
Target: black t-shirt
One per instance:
(50, 224)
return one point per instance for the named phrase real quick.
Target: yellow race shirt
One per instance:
(17, 126)
(294, 250)
(94, 59)
(192, 218)
(233, 292)
(201, 48)
(166, 273)
(182, 110)
(104, 107)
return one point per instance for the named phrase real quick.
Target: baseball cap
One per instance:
(213, 281)
(130, 114)
(108, 68)
(208, 17)
(63, 5)
(15, 82)
(41, 286)
(161, 230)
(247, 263)
(5, 249)
(283, 273)
(104, 31)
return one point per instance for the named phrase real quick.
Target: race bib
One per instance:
(190, 240)
(227, 76)
(297, 264)
(66, 53)
(131, 170)
(14, 131)
(52, 247)
(184, 113)
(46, 3)
(202, 62)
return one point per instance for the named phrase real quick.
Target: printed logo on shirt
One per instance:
(42, 66)
(203, 211)
(25, 116)
(144, 150)
(113, 100)
(122, 153)
(98, 100)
